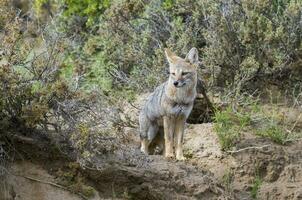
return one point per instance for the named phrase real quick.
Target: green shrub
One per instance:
(90, 9)
(248, 38)
(123, 40)
(42, 86)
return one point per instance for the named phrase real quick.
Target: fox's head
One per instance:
(182, 71)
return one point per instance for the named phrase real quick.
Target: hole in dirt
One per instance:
(120, 183)
(201, 112)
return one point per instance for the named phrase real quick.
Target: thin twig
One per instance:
(131, 104)
(257, 147)
(293, 140)
(292, 129)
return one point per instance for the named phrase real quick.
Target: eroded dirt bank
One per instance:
(277, 168)
(126, 174)
(29, 181)
(208, 173)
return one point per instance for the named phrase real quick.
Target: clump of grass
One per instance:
(255, 187)
(229, 125)
(83, 189)
(228, 138)
(273, 125)
(275, 133)
(247, 113)
(71, 177)
(227, 180)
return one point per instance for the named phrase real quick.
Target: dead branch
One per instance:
(293, 140)
(24, 139)
(247, 148)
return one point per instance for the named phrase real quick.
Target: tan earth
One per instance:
(208, 173)
(278, 167)
(28, 181)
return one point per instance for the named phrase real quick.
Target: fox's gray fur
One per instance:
(170, 104)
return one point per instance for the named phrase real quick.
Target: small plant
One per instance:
(229, 125)
(227, 180)
(189, 153)
(275, 133)
(228, 138)
(70, 176)
(255, 187)
(272, 124)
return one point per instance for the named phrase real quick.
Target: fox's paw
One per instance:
(144, 151)
(180, 158)
(169, 155)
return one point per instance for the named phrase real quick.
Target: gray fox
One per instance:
(170, 105)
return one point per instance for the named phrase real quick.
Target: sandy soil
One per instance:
(29, 181)
(278, 167)
(208, 173)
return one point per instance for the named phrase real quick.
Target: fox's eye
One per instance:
(173, 73)
(184, 73)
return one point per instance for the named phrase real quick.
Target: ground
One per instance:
(279, 168)
(255, 168)
(20, 186)
(208, 172)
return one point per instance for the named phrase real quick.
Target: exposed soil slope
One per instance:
(208, 173)
(278, 167)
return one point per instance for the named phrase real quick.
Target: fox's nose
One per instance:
(175, 83)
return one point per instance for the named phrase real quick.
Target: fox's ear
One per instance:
(169, 55)
(192, 56)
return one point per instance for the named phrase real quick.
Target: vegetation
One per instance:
(227, 180)
(274, 132)
(229, 126)
(92, 32)
(71, 177)
(251, 116)
(256, 185)
(240, 41)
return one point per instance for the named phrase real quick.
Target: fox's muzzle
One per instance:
(179, 83)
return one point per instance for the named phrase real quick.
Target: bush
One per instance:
(42, 91)
(248, 38)
(122, 41)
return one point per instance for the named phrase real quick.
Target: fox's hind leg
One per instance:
(145, 141)
(145, 146)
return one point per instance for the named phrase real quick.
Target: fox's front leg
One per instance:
(179, 132)
(169, 127)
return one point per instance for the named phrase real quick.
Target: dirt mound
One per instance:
(159, 179)
(278, 168)
(255, 168)
(125, 174)
(29, 181)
